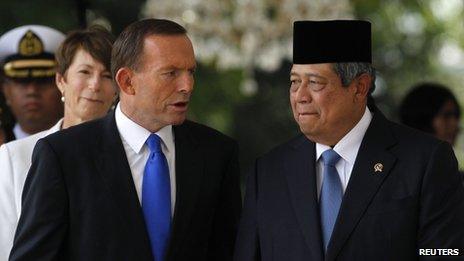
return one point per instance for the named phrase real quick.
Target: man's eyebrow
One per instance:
(168, 67)
(174, 67)
(308, 75)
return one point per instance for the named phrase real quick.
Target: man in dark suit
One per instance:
(353, 186)
(142, 183)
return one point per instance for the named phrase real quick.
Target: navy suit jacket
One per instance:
(416, 201)
(80, 202)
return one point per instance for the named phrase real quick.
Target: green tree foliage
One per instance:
(416, 41)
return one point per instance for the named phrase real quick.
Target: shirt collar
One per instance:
(19, 133)
(349, 145)
(55, 127)
(136, 135)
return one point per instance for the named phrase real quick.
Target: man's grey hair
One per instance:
(349, 71)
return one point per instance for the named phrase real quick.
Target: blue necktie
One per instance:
(156, 198)
(331, 195)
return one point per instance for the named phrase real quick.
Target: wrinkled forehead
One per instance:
(322, 69)
(161, 43)
(175, 49)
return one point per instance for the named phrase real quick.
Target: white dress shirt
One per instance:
(133, 138)
(19, 133)
(347, 148)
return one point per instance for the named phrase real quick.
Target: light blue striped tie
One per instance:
(156, 198)
(331, 195)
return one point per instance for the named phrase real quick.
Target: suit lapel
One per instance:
(189, 176)
(366, 178)
(301, 179)
(113, 166)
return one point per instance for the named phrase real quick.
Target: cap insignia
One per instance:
(30, 44)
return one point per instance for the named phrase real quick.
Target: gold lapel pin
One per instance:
(378, 167)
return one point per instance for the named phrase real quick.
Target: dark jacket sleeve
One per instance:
(227, 213)
(43, 222)
(441, 220)
(247, 245)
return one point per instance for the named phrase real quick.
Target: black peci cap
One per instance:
(331, 41)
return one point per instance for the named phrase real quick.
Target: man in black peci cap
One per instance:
(354, 185)
(28, 65)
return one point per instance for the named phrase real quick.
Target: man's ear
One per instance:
(124, 79)
(363, 85)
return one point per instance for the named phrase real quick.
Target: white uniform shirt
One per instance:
(15, 161)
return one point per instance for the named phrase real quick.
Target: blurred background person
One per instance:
(431, 107)
(6, 121)
(84, 80)
(28, 64)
